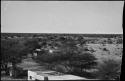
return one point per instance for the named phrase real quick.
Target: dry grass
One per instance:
(112, 50)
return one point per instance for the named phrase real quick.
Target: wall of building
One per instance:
(31, 75)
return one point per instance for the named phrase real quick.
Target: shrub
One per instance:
(61, 68)
(82, 62)
(85, 60)
(109, 69)
(105, 49)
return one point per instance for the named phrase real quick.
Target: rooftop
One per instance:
(53, 75)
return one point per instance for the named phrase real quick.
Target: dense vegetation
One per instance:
(13, 50)
(66, 53)
(109, 69)
(58, 34)
(69, 58)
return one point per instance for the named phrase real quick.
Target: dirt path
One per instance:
(26, 64)
(7, 77)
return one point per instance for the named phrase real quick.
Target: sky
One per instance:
(62, 17)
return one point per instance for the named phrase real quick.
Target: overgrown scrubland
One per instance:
(88, 57)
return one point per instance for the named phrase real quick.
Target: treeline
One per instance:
(60, 34)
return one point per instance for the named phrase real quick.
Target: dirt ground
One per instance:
(7, 77)
(106, 50)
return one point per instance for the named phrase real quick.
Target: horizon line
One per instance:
(60, 33)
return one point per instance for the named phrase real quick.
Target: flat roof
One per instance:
(58, 75)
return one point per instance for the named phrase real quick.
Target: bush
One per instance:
(105, 49)
(52, 58)
(85, 60)
(61, 68)
(109, 69)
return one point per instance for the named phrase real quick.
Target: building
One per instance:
(51, 75)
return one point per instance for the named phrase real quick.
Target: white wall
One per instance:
(35, 76)
(40, 77)
(32, 74)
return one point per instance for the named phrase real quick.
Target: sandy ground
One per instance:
(115, 50)
(7, 77)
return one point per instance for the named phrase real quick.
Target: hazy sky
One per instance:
(62, 16)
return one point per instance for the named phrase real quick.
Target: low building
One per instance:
(51, 75)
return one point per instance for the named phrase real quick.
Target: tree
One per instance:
(10, 52)
(109, 69)
(84, 61)
(31, 44)
(9, 49)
